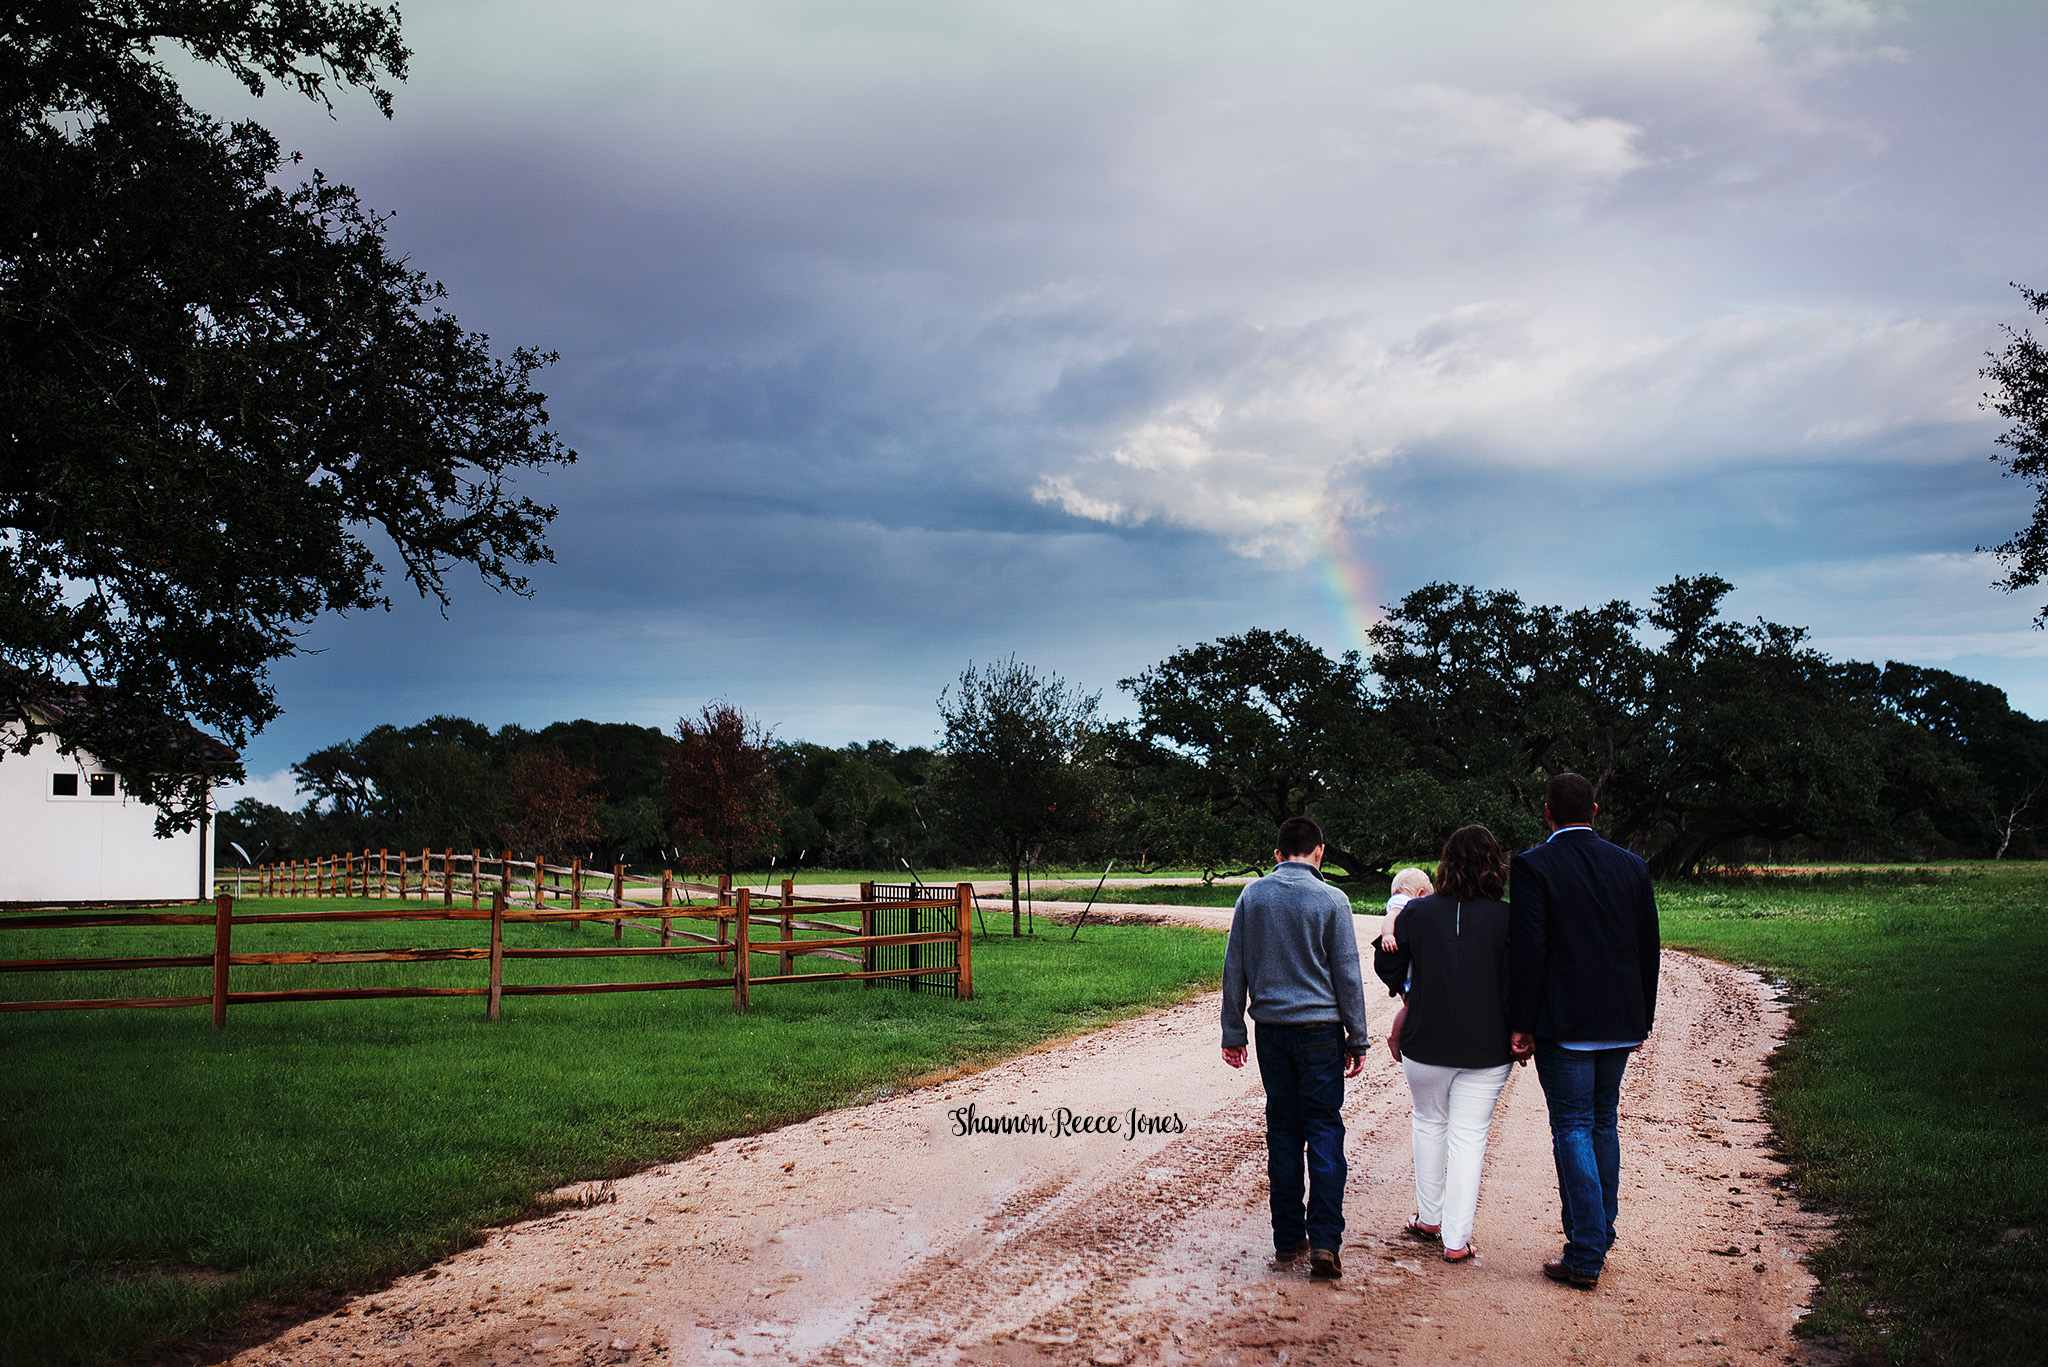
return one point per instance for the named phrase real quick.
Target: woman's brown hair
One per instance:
(1473, 866)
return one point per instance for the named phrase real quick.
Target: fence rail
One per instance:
(737, 917)
(451, 874)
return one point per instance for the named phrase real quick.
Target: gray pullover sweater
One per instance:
(1293, 958)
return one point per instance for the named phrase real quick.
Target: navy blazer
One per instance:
(1582, 942)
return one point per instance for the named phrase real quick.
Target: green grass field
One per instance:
(328, 1145)
(1913, 1096)
(1156, 894)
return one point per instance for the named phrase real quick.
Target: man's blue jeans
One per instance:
(1302, 1067)
(1583, 1087)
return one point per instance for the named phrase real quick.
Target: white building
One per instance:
(69, 832)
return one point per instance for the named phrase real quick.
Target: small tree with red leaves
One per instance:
(723, 807)
(554, 804)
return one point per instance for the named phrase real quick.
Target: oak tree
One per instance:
(217, 388)
(1019, 761)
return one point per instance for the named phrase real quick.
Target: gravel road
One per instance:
(879, 1234)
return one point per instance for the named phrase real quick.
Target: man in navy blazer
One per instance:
(1582, 991)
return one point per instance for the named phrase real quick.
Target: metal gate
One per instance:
(934, 911)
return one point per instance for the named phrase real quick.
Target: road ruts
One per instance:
(877, 1235)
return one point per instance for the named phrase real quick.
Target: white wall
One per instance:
(86, 848)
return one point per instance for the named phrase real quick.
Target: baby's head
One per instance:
(1412, 883)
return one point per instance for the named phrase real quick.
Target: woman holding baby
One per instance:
(1447, 951)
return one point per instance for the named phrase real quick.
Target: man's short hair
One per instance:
(1298, 836)
(1570, 799)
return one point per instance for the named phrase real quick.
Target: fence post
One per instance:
(740, 971)
(724, 901)
(497, 954)
(383, 874)
(963, 921)
(788, 956)
(575, 891)
(540, 887)
(476, 871)
(505, 874)
(668, 899)
(223, 926)
(447, 876)
(867, 927)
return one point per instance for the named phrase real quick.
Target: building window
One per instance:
(69, 783)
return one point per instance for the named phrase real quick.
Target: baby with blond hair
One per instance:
(1409, 884)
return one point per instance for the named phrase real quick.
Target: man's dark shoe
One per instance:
(1323, 1263)
(1287, 1259)
(1558, 1272)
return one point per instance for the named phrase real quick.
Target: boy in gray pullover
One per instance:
(1292, 962)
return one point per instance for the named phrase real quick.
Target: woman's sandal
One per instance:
(1460, 1255)
(1418, 1230)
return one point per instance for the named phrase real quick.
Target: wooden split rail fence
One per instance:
(450, 875)
(868, 949)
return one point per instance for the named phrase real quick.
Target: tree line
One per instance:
(1708, 740)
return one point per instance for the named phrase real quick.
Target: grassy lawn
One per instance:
(157, 1176)
(1157, 894)
(1913, 1097)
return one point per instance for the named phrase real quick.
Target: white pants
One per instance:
(1453, 1113)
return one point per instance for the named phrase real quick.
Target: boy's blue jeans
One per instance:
(1302, 1067)
(1583, 1089)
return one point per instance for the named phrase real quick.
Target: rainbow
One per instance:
(1349, 583)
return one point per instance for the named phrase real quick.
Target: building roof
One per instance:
(55, 705)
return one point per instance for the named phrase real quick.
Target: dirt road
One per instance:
(879, 1234)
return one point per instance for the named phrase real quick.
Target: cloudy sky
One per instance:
(895, 335)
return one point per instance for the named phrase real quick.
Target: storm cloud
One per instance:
(898, 334)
